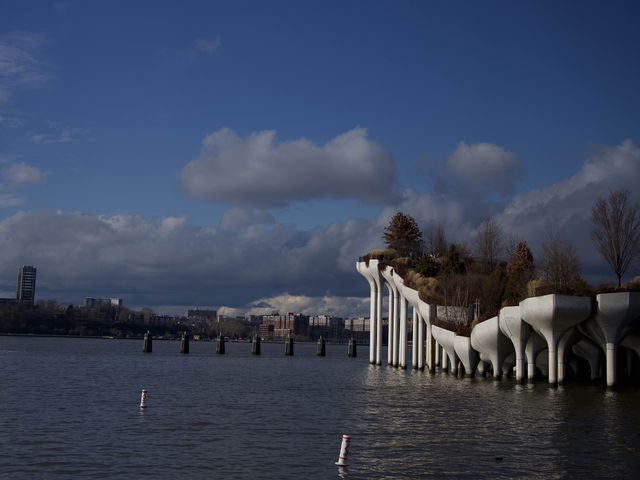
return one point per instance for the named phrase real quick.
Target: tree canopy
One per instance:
(403, 235)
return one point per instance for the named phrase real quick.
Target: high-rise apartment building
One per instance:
(26, 284)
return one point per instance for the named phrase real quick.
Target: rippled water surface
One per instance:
(70, 410)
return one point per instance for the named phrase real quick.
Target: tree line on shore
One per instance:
(50, 318)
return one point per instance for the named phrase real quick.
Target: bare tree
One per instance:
(560, 264)
(436, 242)
(616, 230)
(489, 243)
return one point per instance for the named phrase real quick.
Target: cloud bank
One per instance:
(251, 262)
(257, 170)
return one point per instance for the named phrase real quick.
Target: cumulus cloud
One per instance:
(250, 261)
(485, 165)
(170, 261)
(257, 170)
(565, 207)
(23, 173)
(327, 305)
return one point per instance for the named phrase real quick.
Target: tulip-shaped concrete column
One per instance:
(591, 353)
(467, 355)
(445, 338)
(551, 316)
(414, 300)
(414, 339)
(489, 341)
(615, 311)
(567, 341)
(428, 313)
(535, 345)
(363, 270)
(404, 318)
(379, 281)
(390, 326)
(394, 322)
(420, 345)
(518, 332)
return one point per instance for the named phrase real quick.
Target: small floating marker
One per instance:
(255, 345)
(344, 451)
(143, 399)
(220, 345)
(147, 344)
(321, 349)
(499, 459)
(352, 349)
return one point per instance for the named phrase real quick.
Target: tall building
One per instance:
(26, 284)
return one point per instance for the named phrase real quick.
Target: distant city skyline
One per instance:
(241, 156)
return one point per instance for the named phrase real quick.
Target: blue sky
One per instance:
(141, 142)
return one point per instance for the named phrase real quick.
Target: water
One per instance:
(70, 410)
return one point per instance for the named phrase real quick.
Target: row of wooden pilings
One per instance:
(147, 346)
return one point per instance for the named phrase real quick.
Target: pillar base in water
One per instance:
(288, 346)
(352, 348)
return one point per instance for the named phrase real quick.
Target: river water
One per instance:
(70, 409)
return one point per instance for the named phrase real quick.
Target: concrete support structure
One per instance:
(551, 316)
(467, 355)
(420, 343)
(445, 338)
(414, 338)
(390, 327)
(567, 341)
(614, 312)
(541, 332)
(518, 332)
(402, 347)
(591, 353)
(364, 270)
(532, 349)
(487, 339)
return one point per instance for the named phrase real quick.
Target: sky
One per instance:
(243, 155)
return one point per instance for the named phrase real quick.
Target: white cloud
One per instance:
(64, 136)
(325, 305)
(22, 173)
(258, 171)
(171, 261)
(207, 45)
(565, 206)
(484, 164)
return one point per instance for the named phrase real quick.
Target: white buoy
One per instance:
(143, 399)
(344, 451)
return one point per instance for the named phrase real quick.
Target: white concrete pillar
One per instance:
(431, 349)
(402, 360)
(414, 339)
(396, 325)
(372, 326)
(444, 364)
(390, 328)
(379, 295)
(420, 343)
(612, 371)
